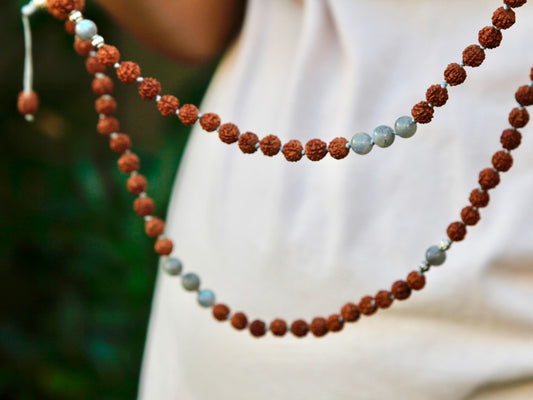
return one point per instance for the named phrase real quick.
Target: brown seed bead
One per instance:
(515, 3)
(299, 328)
(137, 184)
(470, 215)
(163, 247)
(318, 327)
(400, 290)
(168, 105)
(108, 55)
(143, 206)
(108, 125)
(105, 105)
(383, 299)
(337, 148)
(503, 19)
(349, 312)
(154, 227)
(239, 321)
(210, 122)
(228, 133)
(79, 5)
(456, 231)
(502, 161)
(292, 150)
(221, 312)
(93, 66)
(436, 95)
(27, 103)
(316, 149)
(367, 305)
(479, 199)
(270, 145)
(102, 85)
(454, 74)
(60, 9)
(248, 142)
(488, 179)
(70, 27)
(149, 88)
(524, 95)
(128, 72)
(490, 37)
(416, 280)
(188, 114)
(127, 163)
(120, 142)
(257, 328)
(422, 112)
(278, 327)
(334, 323)
(83, 47)
(511, 139)
(531, 74)
(473, 55)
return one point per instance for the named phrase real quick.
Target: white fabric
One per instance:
(290, 240)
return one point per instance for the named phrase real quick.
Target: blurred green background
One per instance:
(77, 271)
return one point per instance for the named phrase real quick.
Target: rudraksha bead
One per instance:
(270, 145)
(210, 122)
(105, 104)
(108, 55)
(79, 5)
(221, 312)
(318, 327)
(470, 215)
(518, 118)
(83, 47)
(479, 198)
(292, 150)
(515, 3)
(400, 290)
(137, 184)
(436, 95)
(60, 9)
(93, 66)
(524, 95)
(488, 179)
(248, 142)
(299, 328)
(239, 321)
(228, 133)
(143, 206)
(456, 231)
(416, 280)
(102, 85)
(337, 148)
(531, 74)
(367, 306)
(257, 328)
(502, 161)
(278, 327)
(422, 112)
(27, 103)
(349, 312)
(383, 299)
(511, 139)
(490, 37)
(128, 72)
(154, 227)
(163, 247)
(334, 323)
(168, 105)
(503, 19)
(316, 149)
(129, 162)
(70, 27)
(120, 143)
(454, 74)
(107, 125)
(188, 114)
(473, 55)
(149, 88)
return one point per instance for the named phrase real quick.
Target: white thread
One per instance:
(27, 82)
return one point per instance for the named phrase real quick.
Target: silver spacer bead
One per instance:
(75, 16)
(92, 53)
(157, 98)
(97, 41)
(505, 7)
(444, 85)
(423, 266)
(445, 244)
(148, 218)
(116, 65)
(140, 79)
(531, 84)
(257, 145)
(461, 64)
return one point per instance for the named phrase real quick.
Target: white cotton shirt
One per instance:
(299, 240)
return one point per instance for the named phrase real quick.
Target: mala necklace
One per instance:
(87, 40)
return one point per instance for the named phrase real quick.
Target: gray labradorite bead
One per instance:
(405, 126)
(435, 256)
(190, 281)
(206, 298)
(361, 143)
(383, 136)
(86, 29)
(173, 266)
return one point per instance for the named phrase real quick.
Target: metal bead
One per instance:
(206, 298)
(423, 266)
(86, 29)
(75, 16)
(98, 41)
(445, 244)
(405, 126)
(361, 143)
(190, 281)
(172, 266)
(383, 136)
(435, 256)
